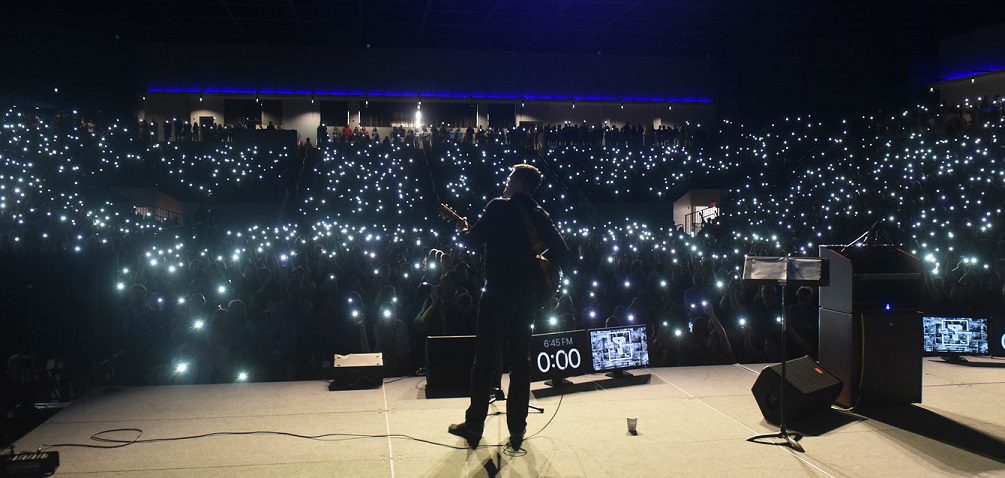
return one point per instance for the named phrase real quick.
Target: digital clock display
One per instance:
(560, 360)
(559, 355)
(997, 342)
(579, 352)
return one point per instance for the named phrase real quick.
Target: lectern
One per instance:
(870, 324)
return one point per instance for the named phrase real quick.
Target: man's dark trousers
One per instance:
(504, 317)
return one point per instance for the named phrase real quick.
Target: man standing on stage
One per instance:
(511, 301)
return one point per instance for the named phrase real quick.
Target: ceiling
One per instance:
(655, 27)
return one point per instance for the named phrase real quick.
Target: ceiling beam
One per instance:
(676, 21)
(425, 15)
(359, 21)
(485, 21)
(296, 16)
(230, 15)
(611, 21)
(160, 10)
(533, 38)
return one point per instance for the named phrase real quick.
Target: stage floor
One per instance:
(693, 421)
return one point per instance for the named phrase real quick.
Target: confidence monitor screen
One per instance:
(997, 348)
(559, 355)
(619, 348)
(956, 335)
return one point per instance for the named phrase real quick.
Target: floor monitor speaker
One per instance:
(809, 390)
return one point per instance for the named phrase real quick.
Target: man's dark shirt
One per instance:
(509, 257)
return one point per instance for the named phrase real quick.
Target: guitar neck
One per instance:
(449, 213)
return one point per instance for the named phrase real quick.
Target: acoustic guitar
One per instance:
(550, 276)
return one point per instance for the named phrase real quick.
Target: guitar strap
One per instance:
(535, 241)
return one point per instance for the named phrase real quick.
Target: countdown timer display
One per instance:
(579, 352)
(997, 341)
(559, 355)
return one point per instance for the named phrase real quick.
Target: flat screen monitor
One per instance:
(997, 339)
(559, 355)
(619, 348)
(955, 335)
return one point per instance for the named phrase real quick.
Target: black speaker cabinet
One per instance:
(877, 355)
(448, 365)
(809, 389)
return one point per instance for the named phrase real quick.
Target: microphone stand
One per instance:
(498, 394)
(865, 236)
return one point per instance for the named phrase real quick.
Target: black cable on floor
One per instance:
(553, 415)
(117, 443)
(323, 437)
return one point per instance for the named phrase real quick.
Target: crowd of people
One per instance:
(532, 136)
(358, 260)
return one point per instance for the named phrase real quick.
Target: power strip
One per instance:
(42, 463)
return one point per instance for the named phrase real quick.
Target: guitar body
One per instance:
(551, 280)
(550, 277)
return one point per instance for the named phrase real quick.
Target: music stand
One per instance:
(783, 271)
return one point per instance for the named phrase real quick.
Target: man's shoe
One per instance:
(469, 434)
(516, 440)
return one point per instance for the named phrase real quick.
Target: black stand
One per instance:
(783, 271)
(954, 358)
(791, 438)
(497, 392)
(557, 382)
(499, 396)
(618, 374)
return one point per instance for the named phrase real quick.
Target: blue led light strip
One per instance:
(473, 96)
(976, 72)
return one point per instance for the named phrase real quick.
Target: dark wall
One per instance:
(420, 71)
(825, 77)
(967, 54)
(91, 71)
(843, 74)
(58, 304)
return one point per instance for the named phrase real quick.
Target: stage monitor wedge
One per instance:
(809, 389)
